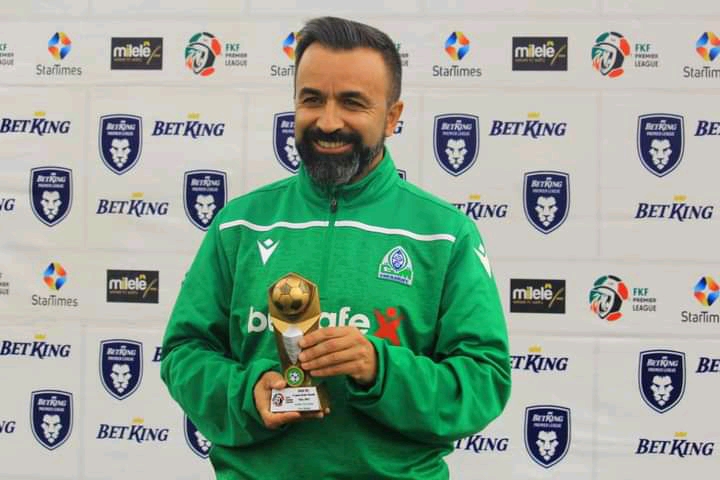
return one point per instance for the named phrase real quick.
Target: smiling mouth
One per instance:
(332, 147)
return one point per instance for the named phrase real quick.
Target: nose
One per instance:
(330, 119)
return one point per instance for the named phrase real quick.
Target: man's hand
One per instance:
(339, 351)
(261, 393)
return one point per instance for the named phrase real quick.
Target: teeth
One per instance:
(325, 144)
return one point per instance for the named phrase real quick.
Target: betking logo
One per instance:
(7, 427)
(679, 446)
(536, 362)
(38, 125)
(136, 432)
(482, 443)
(39, 348)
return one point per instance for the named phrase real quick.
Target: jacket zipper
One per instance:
(327, 251)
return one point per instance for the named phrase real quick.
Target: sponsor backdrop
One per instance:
(580, 136)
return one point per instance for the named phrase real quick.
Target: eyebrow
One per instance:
(343, 95)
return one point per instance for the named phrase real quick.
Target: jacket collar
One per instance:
(370, 188)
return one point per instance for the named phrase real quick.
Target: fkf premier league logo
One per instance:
(546, 199)
(51, 417)
(121, 367)
(609, 54)
(661, 375)
(196, 440)
(202, 54)
(660, 142)
(456, 140)
(547, 433)
(607, 297)
(205, 194)
(51, 193)
(284, 141)
(120, 141)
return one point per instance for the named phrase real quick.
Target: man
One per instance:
(413, 349)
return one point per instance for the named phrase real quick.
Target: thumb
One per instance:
(274, 380)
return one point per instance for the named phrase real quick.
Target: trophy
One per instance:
(294, 308)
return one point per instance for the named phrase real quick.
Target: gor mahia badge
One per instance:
(660, 142)
(121, 367)
(204, 194)
(396, 266)
(661, 375)
(51, 194)
(547, 433)
(120, 141)
(51, 417)
(196, 440)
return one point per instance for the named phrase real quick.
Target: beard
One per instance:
(327, 169)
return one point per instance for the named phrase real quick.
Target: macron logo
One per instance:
(266, 249)
(480, 252)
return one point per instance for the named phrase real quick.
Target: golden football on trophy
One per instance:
(291, 295)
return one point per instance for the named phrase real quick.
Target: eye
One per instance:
(350, 102)
(310, 100)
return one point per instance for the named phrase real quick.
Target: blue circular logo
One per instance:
(398, 260)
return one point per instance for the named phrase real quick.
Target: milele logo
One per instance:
(537, 295)
(133, 286)
(136, 53)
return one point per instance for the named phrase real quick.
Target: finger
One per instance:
(313, 415)
(276, 420)
(336, 357)
(330, 345)
(320, 335)
(273, 380)
(347, 368)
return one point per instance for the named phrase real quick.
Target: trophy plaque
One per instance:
(294, 308)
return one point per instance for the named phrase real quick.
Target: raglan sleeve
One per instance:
(214, 390)
(466, 384)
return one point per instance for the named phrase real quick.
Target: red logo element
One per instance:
(388, 326)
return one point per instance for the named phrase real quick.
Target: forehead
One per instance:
(334, 71)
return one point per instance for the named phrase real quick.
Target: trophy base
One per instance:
(298, 399)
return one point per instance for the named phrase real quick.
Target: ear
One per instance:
(393, 115)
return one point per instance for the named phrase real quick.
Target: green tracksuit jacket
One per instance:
(430, 308)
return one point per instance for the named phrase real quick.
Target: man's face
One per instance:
(341, 112)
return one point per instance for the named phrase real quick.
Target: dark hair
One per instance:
(341, 34)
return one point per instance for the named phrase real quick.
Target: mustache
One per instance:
(315, 134)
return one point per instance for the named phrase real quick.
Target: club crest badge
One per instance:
(121, 367)
(120, 142)
(661, 377)
(547, 434)
(51, 194)
(51, 416)
(546, 199)
(205, 193)
(396, 266)
(284, 141)
(456, 139)
(660, 142)
(196, 440)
